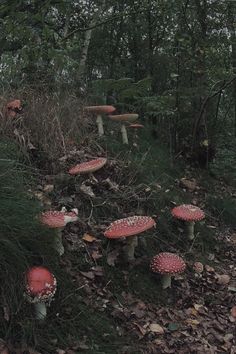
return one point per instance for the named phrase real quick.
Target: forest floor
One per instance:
(104, 305)
(118, 308)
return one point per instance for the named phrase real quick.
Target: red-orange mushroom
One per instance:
(126, 117)
(88, 166)
(99, 110)
(13, 108)
(190, 214)
(167, 264)
(58, 220)
(129, 227)
(40, 286)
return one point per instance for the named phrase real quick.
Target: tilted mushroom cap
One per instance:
(127, 117)
(167, 263)
(40, 284)
(57, 219)
(88, 167)
(100, 109)
(188, 212)
(136, 126)
(130, 226)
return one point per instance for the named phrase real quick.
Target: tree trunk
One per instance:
(87, 39)
(232, 28)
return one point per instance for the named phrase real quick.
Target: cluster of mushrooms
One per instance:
(129, 118)
(41, 284)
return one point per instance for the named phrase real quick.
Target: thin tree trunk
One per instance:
(87, 39)
(231, 25)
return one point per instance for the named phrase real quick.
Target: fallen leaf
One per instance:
(89, 275)
(140, 328)
(223, 279)
(48, 188)
(112, 257)
(88, 238)
(233, 311)
(192, 322)
(173, 326)
(156, 328)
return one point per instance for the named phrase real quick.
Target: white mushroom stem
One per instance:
(189, 226)
(131, 244)
(40, 310)
(124, 134)
(58, 245)
(166, 281)
(99, 122)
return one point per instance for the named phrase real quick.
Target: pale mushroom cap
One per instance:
(88, 167)
(188, 212)
(100, 109)
(57, 219)
(127, 117)
(167, 263)
(130, 226)
(40, 284)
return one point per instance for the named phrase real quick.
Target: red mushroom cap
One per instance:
(188, 212)
(126, 117)
(88, 167)
(57, 219)
(167, 263)
(130, 226)
(14, 107)
(100, 109)
(136, 126)
(40, 284)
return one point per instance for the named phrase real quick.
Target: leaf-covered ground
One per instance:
(118, 308)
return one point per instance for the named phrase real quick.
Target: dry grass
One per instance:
(50, 123)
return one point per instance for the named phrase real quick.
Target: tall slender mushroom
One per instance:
(190, 214)
(58, 220)
(127, 117)
(99, 110)
(40, 287)
(167, 264)
(129, 228)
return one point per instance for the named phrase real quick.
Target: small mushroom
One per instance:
(167, 264)
(129, 228)
(136, 127)
(127, 117)
(99, 110)
(40, 286)
(190, 214)
(13, 108)
(58, 220)
(88, 167)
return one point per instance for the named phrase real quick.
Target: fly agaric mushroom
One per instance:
(190, 214)
(167, 264)
(40, 286)
(127, 117)
(129, 228)
(13, 108)
(58, 220)
(88, 167)
(99, 110)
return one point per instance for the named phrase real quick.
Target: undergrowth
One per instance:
(145, 180)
